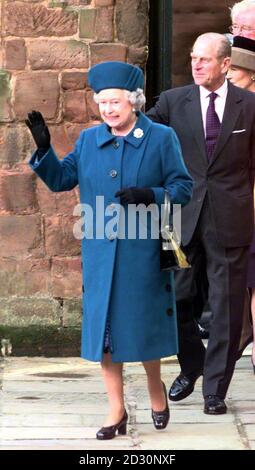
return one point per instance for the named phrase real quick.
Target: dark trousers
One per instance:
(226, 270)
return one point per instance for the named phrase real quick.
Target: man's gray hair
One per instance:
(223, 44)
(224, 49)
(136, 98)
(241, 6)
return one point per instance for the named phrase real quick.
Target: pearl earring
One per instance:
(253, 78)
(134, 110)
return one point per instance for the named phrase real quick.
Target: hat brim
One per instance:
(243, 58)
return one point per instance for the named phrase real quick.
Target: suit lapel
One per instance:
(194, 115)
(230, 116)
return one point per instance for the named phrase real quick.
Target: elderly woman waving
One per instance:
(125, 163)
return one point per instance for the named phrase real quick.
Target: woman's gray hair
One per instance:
(241, 6)
(136, 98)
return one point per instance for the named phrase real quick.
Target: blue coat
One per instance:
(122, 278)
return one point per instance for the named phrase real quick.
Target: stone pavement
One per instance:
(59, 403)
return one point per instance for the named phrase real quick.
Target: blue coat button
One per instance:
(169, 312)
(113, 173)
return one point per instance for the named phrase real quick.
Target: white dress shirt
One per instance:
(220, 101)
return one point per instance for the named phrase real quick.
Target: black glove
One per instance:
(136, 196)
(39, 130)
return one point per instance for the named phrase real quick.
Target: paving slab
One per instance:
(59, 403)
(206, 436)
(250, 431)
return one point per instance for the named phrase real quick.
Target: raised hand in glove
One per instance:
(136, 196)
(39, 130)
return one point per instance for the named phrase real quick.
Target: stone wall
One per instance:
(47, 47)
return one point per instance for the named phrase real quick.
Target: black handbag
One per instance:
(172, 256)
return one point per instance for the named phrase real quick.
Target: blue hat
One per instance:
(115, 75)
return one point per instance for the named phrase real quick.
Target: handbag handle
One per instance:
(166, 212)
(165, 223)
(170, 237)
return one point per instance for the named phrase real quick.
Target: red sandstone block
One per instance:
(64, 3)
(59, 238)
(15, 54)
(138, 55)
(53, 204)
(74, 130)
(36, 275)
(16, 144)
(36, 90)
(66, 277)
(92, 107)
(102, 52)
(105, 25)
(53, 54)
(104, 3)
(20, 235)
(87, 23)
(132, 22)
(28, 20)
(6, 114)
(60, 140)
(17, 191)
(74, 80)
(24, 277)
(75, 106)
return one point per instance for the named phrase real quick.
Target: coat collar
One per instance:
(135, 137)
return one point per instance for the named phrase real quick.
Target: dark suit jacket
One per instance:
(228, 178)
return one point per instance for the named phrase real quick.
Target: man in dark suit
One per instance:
(215, 122)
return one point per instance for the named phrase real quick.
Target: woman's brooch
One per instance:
(138, 133)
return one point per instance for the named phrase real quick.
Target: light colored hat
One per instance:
(243, 53)
(115, 75)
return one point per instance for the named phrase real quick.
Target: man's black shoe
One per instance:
(183, 386)
(203, 333)
(214, 405)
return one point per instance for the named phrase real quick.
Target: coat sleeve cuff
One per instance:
(37, 158)
(159, 195)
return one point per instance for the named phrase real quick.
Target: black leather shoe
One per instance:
(109, 432)
(214, 405)
(161, 418)
(183, 386)
(203, 333)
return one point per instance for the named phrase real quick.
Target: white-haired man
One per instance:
(243, 19)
